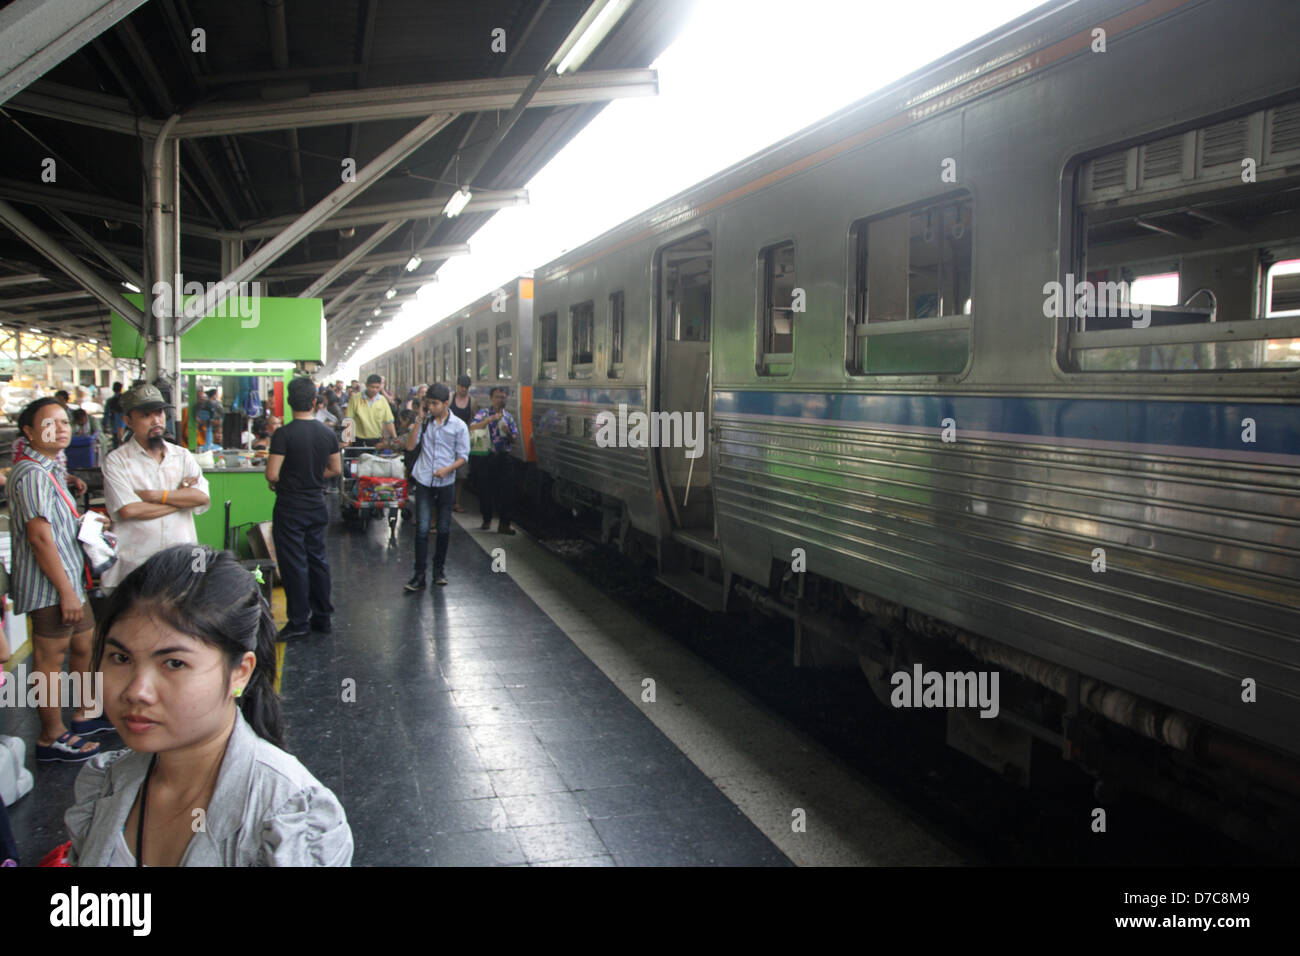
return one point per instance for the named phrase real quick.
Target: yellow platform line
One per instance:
(281, 615)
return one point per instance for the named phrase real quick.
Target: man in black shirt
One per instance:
(304, 454)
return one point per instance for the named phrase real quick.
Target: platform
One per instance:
(500, 721)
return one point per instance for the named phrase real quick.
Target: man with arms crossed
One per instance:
(152, 488)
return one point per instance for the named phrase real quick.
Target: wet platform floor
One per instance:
(460, 726)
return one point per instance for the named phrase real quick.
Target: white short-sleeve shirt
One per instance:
(129, 469)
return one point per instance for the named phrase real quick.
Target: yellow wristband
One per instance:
(164, 501)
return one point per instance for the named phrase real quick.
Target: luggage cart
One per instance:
(362, 497)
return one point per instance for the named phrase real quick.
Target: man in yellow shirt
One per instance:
(372, 414)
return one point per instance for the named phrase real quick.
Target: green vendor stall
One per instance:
(283, 334)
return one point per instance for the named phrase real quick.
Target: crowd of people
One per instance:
(185, 639)
(185, 644)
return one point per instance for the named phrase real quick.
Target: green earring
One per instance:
(239, 691)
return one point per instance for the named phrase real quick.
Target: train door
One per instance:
(684, 330)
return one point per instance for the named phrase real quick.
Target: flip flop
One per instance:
(92, 726)
(63, 752)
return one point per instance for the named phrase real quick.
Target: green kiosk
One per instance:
(285, 333)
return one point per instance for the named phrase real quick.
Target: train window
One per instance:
(582, 319)
(1182, 260)
(482, 355)
(616, 334)
(911, 291)
(548, 344)
(505, 351)
(776, 310)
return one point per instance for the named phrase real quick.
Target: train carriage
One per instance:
(880, 321)
(1007, 353)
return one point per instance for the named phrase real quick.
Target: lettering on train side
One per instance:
(651, 430)
(1248, 690)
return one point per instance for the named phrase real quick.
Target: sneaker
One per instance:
(291, 633)
(440, 578)
(416, 583)
(321, 624)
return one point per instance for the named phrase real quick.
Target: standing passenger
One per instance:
(496, 490)
(443, 441)
(462, 406)
(304, 455)
(203, 736)
(372, 414)
(152, 488)
(48, 580)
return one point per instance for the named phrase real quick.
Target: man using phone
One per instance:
(443, 443)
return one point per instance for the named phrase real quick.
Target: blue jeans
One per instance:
(426, 500)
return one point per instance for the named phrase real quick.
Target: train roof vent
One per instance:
(1109, 173)
(1282, 136)
(1163, 159)
(1225, 144)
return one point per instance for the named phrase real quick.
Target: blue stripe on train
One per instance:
(1202, 425)
(596, 395)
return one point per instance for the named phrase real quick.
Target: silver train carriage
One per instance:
(885, 324)
(490, 340)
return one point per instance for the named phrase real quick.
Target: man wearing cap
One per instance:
(152, 489)
(443, 441)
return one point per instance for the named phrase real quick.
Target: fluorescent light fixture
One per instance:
(377, 311)
(458, 201)
(130, 287)
(390, 293)
(93, 341)
(33, 330)
(413, 263)
(367, 323)
(592, 29)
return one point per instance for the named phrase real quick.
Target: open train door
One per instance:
(684, 305)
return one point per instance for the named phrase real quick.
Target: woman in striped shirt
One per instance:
(48, 579)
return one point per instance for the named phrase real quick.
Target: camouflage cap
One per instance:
(142, 398)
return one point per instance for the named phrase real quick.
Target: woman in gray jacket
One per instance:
(187, 649)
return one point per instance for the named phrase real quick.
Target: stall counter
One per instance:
(251, 500)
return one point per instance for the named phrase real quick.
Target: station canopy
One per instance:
(317, 143)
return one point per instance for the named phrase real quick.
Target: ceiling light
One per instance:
(595, 29)
(93, 341)
(377, 311)
(129, 286)
(458, 201)
(367, 323)
(390, 293)
(33, 330)
(413, 263)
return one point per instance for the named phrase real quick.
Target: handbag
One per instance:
(480, 442)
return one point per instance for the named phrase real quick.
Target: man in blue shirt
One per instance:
(443, 441)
